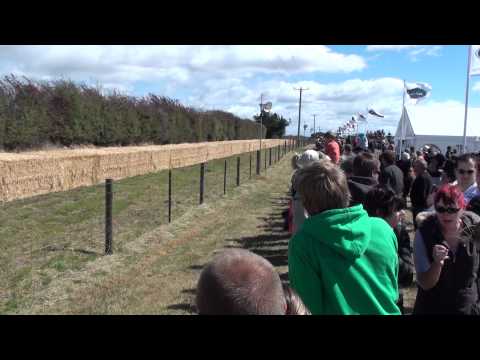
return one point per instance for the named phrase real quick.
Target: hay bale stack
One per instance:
(35, 173)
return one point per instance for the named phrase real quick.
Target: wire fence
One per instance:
(44, 236)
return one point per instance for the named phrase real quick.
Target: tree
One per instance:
(274, 123)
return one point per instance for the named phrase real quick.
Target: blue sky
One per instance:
(341, 79)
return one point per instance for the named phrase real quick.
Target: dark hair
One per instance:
(382, 201)
(347, 165)
(347, 147)
(365, 164)
(465, 158)
(357, 149)
(388, 156)
(239, 282)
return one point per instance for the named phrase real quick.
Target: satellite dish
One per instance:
(267, 107)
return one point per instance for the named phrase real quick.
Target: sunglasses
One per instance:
(450, 210)
(463, 172)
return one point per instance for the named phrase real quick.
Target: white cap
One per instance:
(307, 158)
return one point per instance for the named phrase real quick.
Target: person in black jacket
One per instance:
(366, 169)
(382, 202)
(447, 257)
(406, 165)
(421, 188)
(391, 174)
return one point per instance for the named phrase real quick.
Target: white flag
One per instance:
(374, 113)
(475, 60)
(362, 117)
(418, 91)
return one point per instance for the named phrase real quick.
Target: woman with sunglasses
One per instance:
(466, 172)
(447, 257)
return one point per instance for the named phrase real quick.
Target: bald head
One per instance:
(239, 282)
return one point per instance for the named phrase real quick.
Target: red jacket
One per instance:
(333, 150)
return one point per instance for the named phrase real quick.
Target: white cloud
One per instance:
(389, 47)
(230, 78)
(333, 103)
(414, 51)
(175, 63)
(476, 86)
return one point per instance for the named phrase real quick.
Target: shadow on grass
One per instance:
(271, 245)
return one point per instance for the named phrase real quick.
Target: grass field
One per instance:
(52, 237)
(52, 246)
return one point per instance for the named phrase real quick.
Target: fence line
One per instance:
(203, 166)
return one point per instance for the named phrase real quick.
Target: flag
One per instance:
(362, 117)
(475, 60)
(374, 113)
(418, 91)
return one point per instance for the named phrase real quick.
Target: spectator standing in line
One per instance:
(405, 164)
(382, 202)
(341, 261)
(447, 257)
(239, 282)
(366, 169)
(391, 175)
(466, 174)
(332, 149)
(347, 152)
(299, 215)
(421, 188)
(448, 153)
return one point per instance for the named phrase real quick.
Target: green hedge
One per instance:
(61, 112)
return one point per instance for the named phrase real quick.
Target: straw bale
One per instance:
(34, 173)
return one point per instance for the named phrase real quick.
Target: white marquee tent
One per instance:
(439, 125)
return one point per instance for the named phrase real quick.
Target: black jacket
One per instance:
(421, 188)
(359, 187)
(457, 290)
(405, 256)
(392, 176)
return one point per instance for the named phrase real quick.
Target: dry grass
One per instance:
(152, 263)
(156, 272)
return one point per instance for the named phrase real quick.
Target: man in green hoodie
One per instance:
(341, 261)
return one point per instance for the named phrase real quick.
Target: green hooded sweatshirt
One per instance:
(342, 261)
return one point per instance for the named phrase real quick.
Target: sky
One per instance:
(341, 80)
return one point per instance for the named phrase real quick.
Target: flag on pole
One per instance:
(475, 60)
(418, 91)
(374, 113)
(362, 117)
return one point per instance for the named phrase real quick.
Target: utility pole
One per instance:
(299, 112)
(314, 115)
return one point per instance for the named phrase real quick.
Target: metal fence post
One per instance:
(170, 195)
(250, 176)
(225, 178)
(270, 156)
(108, 216)
(238, 171)
(265, 159)
(202, 181)
(258, 162)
